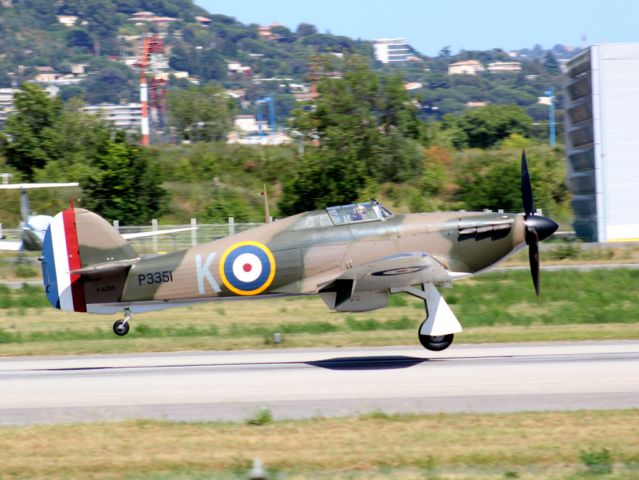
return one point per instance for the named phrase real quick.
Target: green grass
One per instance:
(493, 307)
(568, 297)
(29, 296)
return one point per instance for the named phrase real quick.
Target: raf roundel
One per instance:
(247, 268)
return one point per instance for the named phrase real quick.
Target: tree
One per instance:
(324, 178)
(492, 178)
(208, 64)
(484, 127)
(124, 184)
(110, 84)
(31, 133)
(367, 127)
(551, 64)
(282, 34)
(306, 30)
(48, 142)
(201, 113)
(444, 52)
(79, 38)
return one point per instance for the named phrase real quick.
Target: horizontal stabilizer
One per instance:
(106, 267)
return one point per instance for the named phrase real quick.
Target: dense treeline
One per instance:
(48, 141)
(362, 139)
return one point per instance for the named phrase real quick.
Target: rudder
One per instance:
(77, 238)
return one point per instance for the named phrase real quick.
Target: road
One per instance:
(329, 382)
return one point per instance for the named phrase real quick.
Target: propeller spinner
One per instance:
(538, 228)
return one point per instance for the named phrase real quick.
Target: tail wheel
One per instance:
(436, 343)
(121, 328)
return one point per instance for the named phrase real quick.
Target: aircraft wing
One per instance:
(10, 246)
(130, 236)
(366, 287)
(397, 270)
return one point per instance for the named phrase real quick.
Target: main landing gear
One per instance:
(437, 331)
(121, 327)
(435, 343)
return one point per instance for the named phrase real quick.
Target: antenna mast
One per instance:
(152, 61)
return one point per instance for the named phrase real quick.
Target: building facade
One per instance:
(6, 104)
(123, 117)
(504, 67)
(466, 67)
(602, 141)
(393, 50)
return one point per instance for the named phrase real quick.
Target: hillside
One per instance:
(102, 37)
(392, 154)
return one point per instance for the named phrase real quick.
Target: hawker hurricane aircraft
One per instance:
(353, 256)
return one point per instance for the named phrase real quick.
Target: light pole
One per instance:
(551, 117)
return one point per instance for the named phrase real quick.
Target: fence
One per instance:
(171, 242)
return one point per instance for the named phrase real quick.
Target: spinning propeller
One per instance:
(538, 228)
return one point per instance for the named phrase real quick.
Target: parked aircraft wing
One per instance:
(30, 186)
(10, 246)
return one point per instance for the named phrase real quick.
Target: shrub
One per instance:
(597, 462)
(261, 417)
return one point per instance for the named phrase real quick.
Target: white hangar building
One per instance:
(601, 119)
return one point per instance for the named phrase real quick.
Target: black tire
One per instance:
(120, 328)
(435, 343)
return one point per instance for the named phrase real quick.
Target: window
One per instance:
(312, 220)
(358, 212)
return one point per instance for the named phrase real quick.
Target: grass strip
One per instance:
(494, 307)
(514, 445)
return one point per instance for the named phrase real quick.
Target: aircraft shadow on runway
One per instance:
(368, 363)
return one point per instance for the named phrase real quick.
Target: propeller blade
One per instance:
(526, 188)
(537, 227)
(533, 257)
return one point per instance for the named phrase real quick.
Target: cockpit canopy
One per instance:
(358, 212)
(343, 215)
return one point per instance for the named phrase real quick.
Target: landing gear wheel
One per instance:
(121, 328)
(435, 343)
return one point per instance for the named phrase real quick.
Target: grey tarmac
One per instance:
(293, 384)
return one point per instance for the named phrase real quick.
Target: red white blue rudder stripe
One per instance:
(60, 256)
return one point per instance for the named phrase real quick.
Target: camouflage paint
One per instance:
(295, 255)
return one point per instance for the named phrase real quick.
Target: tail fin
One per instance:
(75, 239)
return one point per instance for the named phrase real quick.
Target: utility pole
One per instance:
(267, 215)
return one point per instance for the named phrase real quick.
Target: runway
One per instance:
(223, 386)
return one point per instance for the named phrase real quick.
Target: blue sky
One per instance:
(462, 24)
